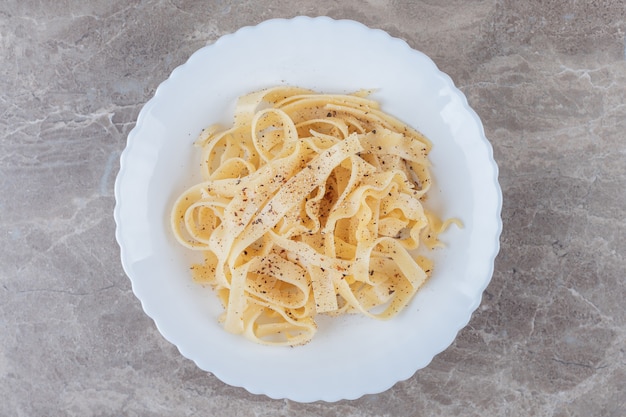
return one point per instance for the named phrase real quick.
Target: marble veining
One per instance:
(548, 79)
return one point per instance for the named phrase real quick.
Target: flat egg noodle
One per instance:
(310, 204)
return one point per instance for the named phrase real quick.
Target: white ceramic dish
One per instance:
(349, 356)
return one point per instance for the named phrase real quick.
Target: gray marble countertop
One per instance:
(548, 80)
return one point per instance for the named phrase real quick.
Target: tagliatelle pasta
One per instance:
(311, 204)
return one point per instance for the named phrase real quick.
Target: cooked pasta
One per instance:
(310, 204)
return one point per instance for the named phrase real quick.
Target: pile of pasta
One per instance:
(310, 204)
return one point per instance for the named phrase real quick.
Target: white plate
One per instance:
(349, 356)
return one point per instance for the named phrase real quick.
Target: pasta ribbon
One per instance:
(310, 204)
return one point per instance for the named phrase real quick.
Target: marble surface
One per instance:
(548, 80)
